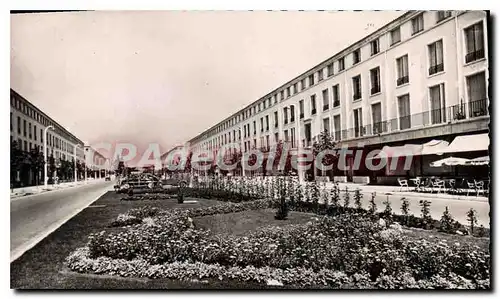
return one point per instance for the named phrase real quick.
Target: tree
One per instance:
(36, 162)
(472, 219)
(277, 157)
(16, 161)
(325, 141)
(65, 169)
(235, 158)
(357, 199)
(51, 167)
(187, 167)
(80, 167)
(120, 168)
(447, 222)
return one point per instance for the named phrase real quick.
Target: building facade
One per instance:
(27, 129)
(423, 76)
(97, 164)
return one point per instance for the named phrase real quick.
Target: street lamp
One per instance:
(241, 146)
(87, 150)
(299, 171)
(74, 154)
(45, 178)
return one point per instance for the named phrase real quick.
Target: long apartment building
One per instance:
(27, 125)
(423, 76)
(27, 128)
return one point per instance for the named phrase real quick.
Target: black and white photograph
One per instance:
(251, 150)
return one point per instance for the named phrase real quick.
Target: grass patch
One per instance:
(246, 221)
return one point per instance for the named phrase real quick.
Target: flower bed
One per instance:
(348, 250)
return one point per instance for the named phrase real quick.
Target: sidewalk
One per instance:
(24, 191)
(395, 190)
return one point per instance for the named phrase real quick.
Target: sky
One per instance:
(165, 76)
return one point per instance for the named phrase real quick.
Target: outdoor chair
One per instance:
(418, 182)
(479, 186)
(403, 184)
(438, 184)
(470, 186)
(452, 184)
(460, 186)
(425, 185)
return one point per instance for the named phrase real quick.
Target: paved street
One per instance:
(33, 217)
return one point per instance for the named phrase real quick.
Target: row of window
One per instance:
(29, 111)
(25, 129)
(474, 37)
(439, 113)
(28, 146)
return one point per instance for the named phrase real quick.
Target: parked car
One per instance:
(145, 181)
(108, 178)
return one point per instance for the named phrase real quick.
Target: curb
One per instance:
(20, 196)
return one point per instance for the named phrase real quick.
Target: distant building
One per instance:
(96, 162)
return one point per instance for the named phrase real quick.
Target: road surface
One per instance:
(36, 216)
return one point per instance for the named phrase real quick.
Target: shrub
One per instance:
(315, 194)
(282, 212)
(357, 199)
(446, 224)
(347, 198)
(472, 219)
(426, 213)
(387, 210)
(335, 195)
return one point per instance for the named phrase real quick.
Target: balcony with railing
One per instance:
(307, 142)
(301, 116)
(403, 80)
(336, 103)
(430, 118)
(313, 111)
(356, 96)
(478, 108)
(326, 107)
(434, 69)
(338, 135)
(475, 55)
(377, 128)
(264, 149)
(286, 121)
